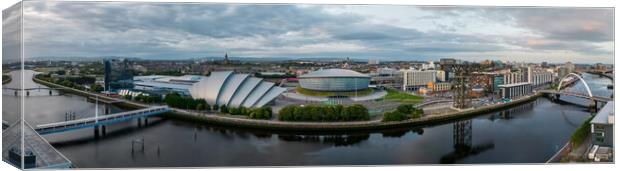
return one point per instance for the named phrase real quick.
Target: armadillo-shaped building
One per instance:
(235, 90)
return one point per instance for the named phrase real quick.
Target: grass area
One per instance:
(308, 92)
(399, 96)
(581, 133)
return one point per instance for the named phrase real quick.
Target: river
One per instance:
(528, 133)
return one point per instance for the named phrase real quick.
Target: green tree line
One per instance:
(324, 113)
(403, 112)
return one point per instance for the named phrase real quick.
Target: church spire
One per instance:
(226, 58)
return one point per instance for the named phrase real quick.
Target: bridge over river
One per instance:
(100, 120)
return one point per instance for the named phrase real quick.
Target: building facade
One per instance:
(334, 80)
(513, 91)
(602, 126)
(415, 79)
(441, 76)
(541, 78)
(117, 75)
(514, 77)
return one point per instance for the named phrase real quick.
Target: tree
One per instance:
(394, 116)
(96, 88)
(405, 108)
(207, 106)
(330, 114)
(315, 112)
(199, 107)
(224, 109)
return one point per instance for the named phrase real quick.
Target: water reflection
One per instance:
(397, 133)
(509, 113)
(108, 134)
(462, 135)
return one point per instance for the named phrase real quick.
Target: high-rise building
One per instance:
(415, 79)
(117, 75)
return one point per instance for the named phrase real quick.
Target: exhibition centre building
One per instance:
(235, 90)
(220, 88)
(334, 80)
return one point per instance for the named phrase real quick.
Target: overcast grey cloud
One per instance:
(160, 30)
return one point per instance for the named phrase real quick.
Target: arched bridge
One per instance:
(579, 95)
(586, 95)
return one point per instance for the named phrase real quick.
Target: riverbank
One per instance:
(341, 126)
(223, 120)
(8, 80)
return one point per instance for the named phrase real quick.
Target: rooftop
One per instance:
(334, 73)
(46, 155)
(515, 84)
(605, 115)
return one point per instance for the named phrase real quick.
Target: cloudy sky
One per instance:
(168, 31)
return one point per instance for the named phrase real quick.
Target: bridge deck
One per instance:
(28, 89)
(105, 101)
(100, 120)
(596, 98)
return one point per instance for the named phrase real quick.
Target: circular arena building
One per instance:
(334, 80)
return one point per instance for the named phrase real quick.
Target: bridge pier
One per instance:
(96, 131)
(594, 107)
(106, 109)
(102, 129)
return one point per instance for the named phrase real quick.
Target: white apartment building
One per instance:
(539, 78)
(514, 77)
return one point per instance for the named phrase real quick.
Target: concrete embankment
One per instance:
(305, 126)
(341, 126)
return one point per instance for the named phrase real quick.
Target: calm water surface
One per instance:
(529, 133)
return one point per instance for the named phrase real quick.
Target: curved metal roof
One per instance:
(235, 90)
(269, 96)
(258, 92)
(230, 88)
(244, 90)
(326, 73)
(210, 88)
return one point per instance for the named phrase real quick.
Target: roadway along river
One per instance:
(529, 133)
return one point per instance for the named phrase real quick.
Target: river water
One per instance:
(528, 133)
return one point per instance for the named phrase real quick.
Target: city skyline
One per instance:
(383, 32)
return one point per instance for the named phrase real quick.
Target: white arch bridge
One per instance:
(586, 95)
